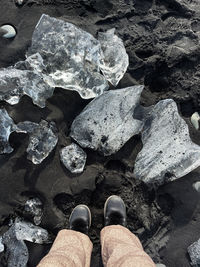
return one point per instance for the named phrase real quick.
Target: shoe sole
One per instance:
(90, 216)
(105, 205)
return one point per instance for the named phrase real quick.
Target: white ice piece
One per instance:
(196, 186)
(73, 157)
(43, 139)
(194, 252)
(116, 59)
(26, 78)
(16, 250)
(168, 152)
(195, 120)
(71, 55)
(7, 126)
(108, 121)
(33, 207)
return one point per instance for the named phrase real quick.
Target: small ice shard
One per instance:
(16, 250)
(19, 2)
(196, 186)
(33, 207)
(73, 157)
(168, 152)
(43, 138)
(7, 126)
(195, 120)
(116, 59)
(108, 121)
(71, 55)
(26, 78)
(9, 30)
(1, 245)
(194, 252)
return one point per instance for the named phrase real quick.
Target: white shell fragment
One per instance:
(7, 126)
(196, 186)
(194, 252)
(9, 30)
(16, 250)
(26, 78)
(168, 152)
(33, 207)
(108, 122)
(116, 59)
(43, 139)
(71, 55)
(74, 158)
(195, 120)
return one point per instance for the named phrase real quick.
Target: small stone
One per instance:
(196, 186)
(74, 158)
(33, 207)
(108, 121)
(168, 153)
(194, 252)
(116, 60)
(195, 120)
(9, 30)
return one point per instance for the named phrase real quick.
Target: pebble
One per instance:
(10, 31)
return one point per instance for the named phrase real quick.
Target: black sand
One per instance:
(167, 219)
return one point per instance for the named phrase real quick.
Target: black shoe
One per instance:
(114, 211)
(80, 219)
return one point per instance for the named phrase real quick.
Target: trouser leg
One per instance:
(121, 248)
(70, 249)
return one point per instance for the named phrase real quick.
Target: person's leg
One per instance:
(72, 248)
(120, 247)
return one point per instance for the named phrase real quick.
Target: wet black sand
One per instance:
(166, 219)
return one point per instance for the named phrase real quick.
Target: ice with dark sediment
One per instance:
(115, 62)
(74, 158)
(26, 78)
(168, 152)
(33, 207)
(42, 139)
(16, 250)
(194, 252)
(108, 121)
(7, 126)
(71, 55)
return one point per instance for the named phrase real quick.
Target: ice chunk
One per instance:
(43, 139)
(7, 126)
(116, 59)
(33, 207)
(26, 78)
(73, 157)
(168, 152)
(195, 120)
(194, 252)
(1, 245)
(108, 121)
(72, 56)
(196, 186)
(13, 239)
